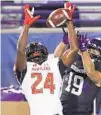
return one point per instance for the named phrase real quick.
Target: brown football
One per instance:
(57, 18)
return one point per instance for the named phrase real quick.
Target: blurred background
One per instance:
(87, 14)
(87, 18)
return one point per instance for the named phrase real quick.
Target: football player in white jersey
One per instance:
(37, 73)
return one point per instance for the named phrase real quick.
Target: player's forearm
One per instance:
(59, 49)
(72, 37)
(68, 57)
(89, 67)
(23, 39)
(87, 62)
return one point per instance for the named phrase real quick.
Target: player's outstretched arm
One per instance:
(23, 38)
(69, 39)
(88, 64)
(69, 55)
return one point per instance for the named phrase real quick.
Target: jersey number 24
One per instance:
(48, 83)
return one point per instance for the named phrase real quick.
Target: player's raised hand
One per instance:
(29, 19)
(83, 41)
(70, 8)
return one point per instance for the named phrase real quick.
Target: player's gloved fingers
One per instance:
(29, 13)
(71, 11)
(26, 11)
(26, 7)
(33, 20)
(67, 5)
(69, 14)
(36, 18)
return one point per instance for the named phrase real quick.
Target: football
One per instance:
(57, 18)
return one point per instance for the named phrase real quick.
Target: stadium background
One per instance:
(87, 18)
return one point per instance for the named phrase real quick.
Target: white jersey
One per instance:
(42, 87)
